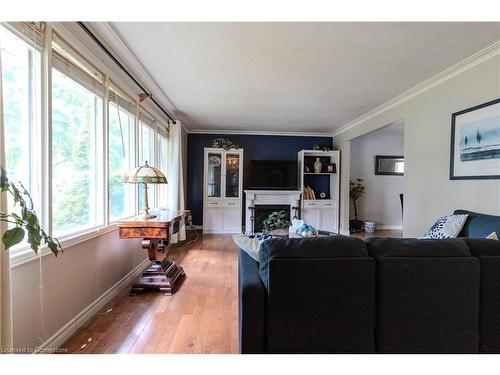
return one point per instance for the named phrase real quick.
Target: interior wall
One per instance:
(255, 147)
(70, 283)
(381, 202)
(429, 192)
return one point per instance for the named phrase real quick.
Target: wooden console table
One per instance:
(156, 234)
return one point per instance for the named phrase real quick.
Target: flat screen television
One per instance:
(273, 175)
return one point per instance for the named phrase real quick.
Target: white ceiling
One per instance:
(289, 77)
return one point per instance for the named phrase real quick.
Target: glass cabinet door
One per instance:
(232, 162)
(214, 174)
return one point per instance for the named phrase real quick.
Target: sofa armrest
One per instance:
(252, 306)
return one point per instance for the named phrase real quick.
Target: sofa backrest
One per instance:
(479, 225)
(488, 252)
(321, 295)
(427, 296)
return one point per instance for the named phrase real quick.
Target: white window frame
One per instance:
(44, 210)
(83, 78)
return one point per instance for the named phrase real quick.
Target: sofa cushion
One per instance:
(479, 225)
(427, 296)
(488, 252)
(483, 246)
(379, 247)
(308, 248)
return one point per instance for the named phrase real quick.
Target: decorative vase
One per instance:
(317, 166)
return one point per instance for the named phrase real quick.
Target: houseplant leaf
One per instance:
(12, 237)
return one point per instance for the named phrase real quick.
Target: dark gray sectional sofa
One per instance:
(343, 295)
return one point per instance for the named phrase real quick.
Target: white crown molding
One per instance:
(257, 132)
(466, 64)
(110, 36)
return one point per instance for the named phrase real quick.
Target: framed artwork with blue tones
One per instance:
(475, 142)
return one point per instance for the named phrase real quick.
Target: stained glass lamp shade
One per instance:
(145, 174)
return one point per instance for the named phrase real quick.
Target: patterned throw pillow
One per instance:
(446, 227)
(250, 244)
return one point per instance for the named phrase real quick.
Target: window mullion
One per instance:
(137, 139)
(105, 150)
(46, 133)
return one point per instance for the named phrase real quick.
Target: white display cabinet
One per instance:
(323, 211)
(223, 190)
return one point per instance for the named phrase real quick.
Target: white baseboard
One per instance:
(61, 336)
(390, 227)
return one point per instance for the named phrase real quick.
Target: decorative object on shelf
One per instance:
(224, 143)
(322, 195)
(331, 168)
(317, 147)
(25, 221)
(370, 227)
(145, 175)
(276, 223)
(389, 165)
(356, 191)
(318, 166)
(214, 161)
(307, 169)
(475, 142)
(307, 231)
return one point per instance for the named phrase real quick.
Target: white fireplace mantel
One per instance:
(269, 197)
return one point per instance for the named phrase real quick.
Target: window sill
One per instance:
(26, 254)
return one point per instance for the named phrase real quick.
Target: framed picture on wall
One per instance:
(475, 142)
(389, 165)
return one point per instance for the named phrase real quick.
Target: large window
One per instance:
(60, 157)
(21, 105)
(76, 127)
(121, 156)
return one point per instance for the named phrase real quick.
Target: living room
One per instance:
(261, 186)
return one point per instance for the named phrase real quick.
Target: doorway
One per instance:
(377, 164)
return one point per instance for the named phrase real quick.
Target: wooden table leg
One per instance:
(162, 273)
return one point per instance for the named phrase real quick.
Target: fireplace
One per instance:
(260, 203)
(262, 211)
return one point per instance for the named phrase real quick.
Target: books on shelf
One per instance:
(309, 193)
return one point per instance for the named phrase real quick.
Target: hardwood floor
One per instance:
(201, 317)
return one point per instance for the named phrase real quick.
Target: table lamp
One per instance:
(145, 175)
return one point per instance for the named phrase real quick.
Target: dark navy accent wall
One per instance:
(255, 147)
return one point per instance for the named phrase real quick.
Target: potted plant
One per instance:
(25, 221)
(224, 143)
(356, 191)
(276, 224)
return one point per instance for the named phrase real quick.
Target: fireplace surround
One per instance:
(263, 202)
